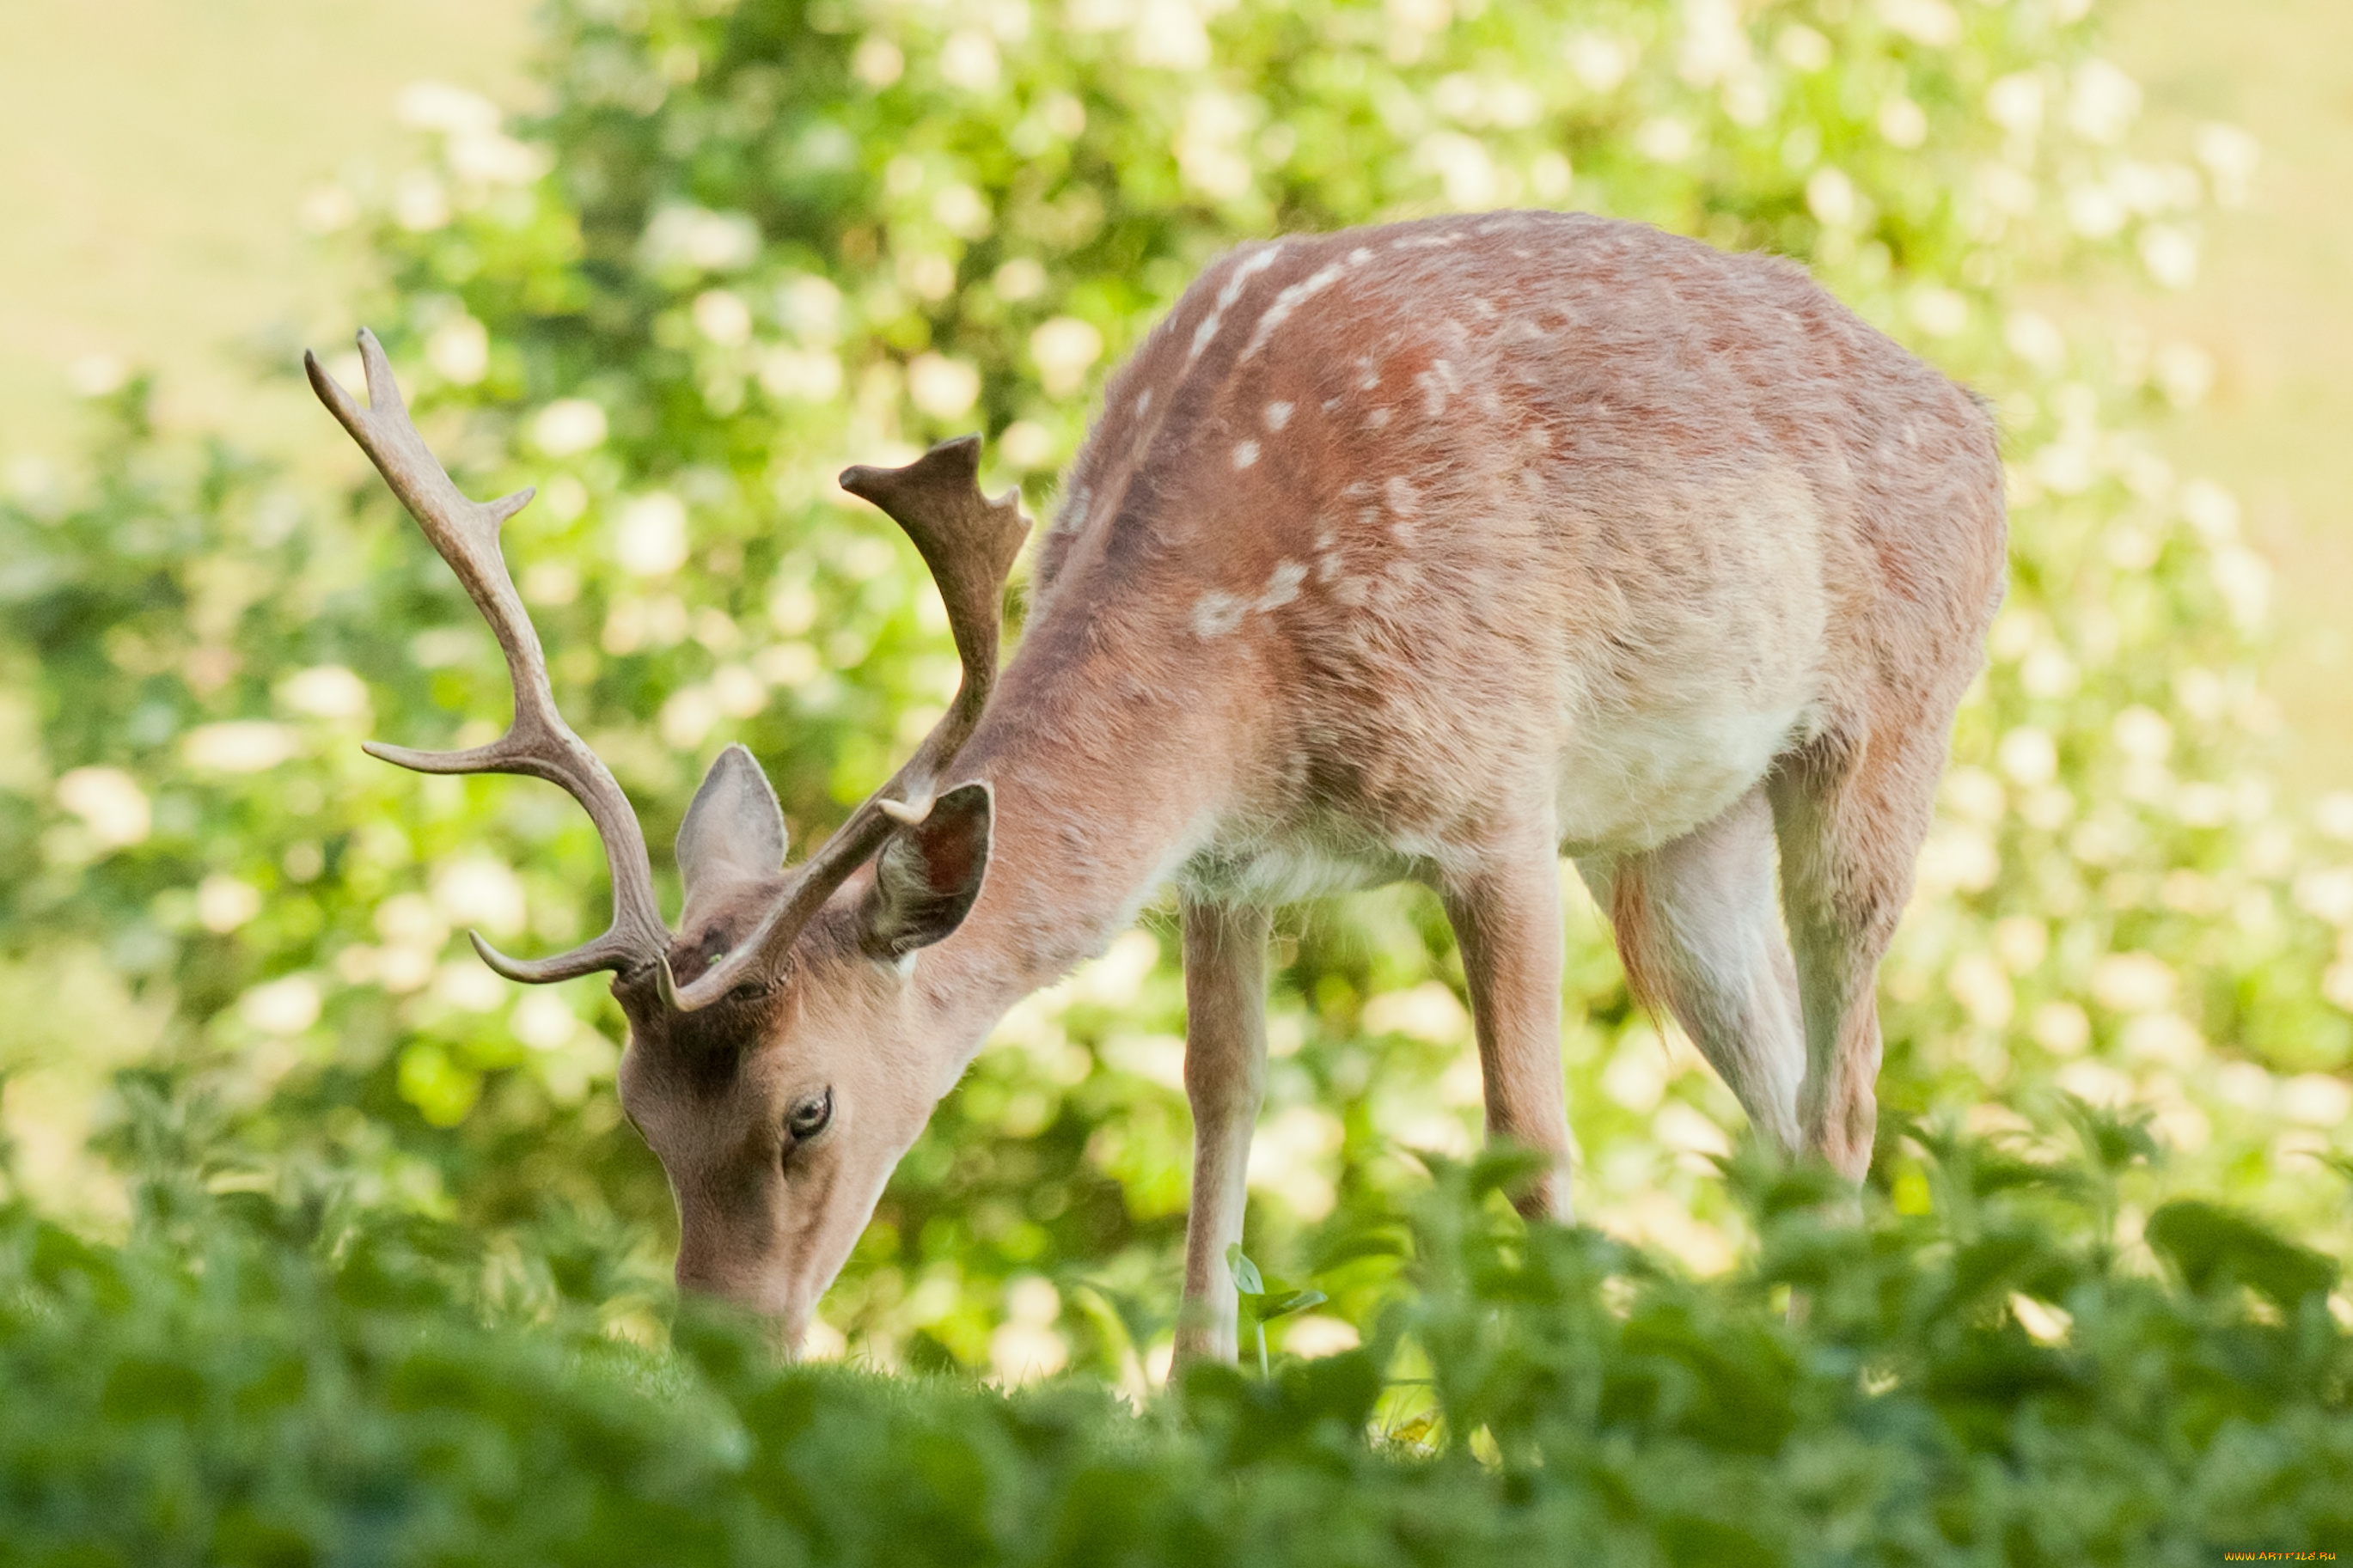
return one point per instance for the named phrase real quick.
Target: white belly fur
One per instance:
(1649, 778)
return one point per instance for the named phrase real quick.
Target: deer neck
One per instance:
(1102, 788)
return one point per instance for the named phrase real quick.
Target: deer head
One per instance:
(776, 1059)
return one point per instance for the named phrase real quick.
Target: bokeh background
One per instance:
(677, 261)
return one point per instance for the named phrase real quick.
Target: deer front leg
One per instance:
(1225, 1078)
(1508, 923)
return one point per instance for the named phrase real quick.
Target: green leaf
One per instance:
(2213, 1246)
(1282, 1303)
(1245, 1273)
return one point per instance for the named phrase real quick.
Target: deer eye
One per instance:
(809, 1117)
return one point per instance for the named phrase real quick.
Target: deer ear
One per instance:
(734, 831)
(928, 874)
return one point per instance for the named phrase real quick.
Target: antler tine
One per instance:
(968, 541)
(538, 743)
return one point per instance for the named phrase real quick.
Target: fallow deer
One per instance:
(1439, 549)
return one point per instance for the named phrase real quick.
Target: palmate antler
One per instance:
(968, 543)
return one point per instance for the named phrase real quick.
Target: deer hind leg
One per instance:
(1850, 815)
(1225, 1078)
(1506, 920)
(1698, 933)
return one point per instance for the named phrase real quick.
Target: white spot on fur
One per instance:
(1376, 418)
(1283, 585)
(1289, 299)
(1403, 499)
(1329, 567)
(1074, 510)
(1371, 376)
(1215, 615)
(1359, 256)
(1277, 415)
(1250, 269)
(1245, 454)
(1142, 402)
(1351, 591)
(1437, 383)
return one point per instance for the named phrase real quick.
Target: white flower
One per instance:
(543, 1021)
(961, 211)
(568, 426)
(2029, 756)
(941, 387)
(1115, 979)
(1169, 34)
(695, 238)
(1665, 138)
(475, 890)
(2103, 101)
(239, 746)
(1312, 1335)
(324, 691)
(877, 61)
(1831, 198)
(2061, 1028)
(2229, 155)
(418, 203)
(224, 903)
(2142, 734)
(1959, 858)
(968, 60)
(1902, 123)
(2133, 982)
(2170, 254)
(97, 376)
(2014, 102)
(1065, 349)
(691, 714)
(1599, 61)
(1209, 158)
(1289, 1154)
(2034, 338)
(1979, 983)
(650, 537)
(437, 106)
(2245, 580)
(2316, 1100)
(285, 1006)
(110, 803)
(1931, 22)
(808, 375)
(464, 983)
(1941, 312)
(1463, 169)
(1026, 445)
(723, 317)
(491, 159)
(1429, 1010)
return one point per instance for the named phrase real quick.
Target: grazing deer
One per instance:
(1439, 549)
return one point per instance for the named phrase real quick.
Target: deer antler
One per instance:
(538, 743)
(969, 543)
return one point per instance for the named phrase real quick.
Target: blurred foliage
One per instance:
(748, 243)
(251, 1383)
